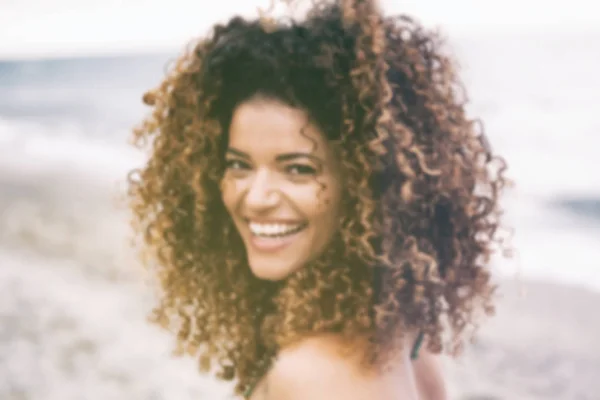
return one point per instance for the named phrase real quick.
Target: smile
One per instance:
(275, 230)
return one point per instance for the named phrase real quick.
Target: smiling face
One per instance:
(281, 187)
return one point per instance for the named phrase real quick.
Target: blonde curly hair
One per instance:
(421, 199)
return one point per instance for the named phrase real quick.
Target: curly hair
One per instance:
(420, 203)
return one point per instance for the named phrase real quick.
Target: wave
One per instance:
(63, 197)
(584, 207)
(89, 227)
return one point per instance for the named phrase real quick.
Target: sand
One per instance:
(542, 344)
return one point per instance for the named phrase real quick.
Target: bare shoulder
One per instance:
(316, 369)
(429, 376)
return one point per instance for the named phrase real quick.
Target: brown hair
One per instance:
(420, 201)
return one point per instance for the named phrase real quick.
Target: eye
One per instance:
(236, 165)
(300, 169)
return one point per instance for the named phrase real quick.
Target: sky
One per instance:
(38, 28)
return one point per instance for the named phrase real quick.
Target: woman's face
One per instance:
(281, 187)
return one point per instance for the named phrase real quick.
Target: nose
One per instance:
(263, 192)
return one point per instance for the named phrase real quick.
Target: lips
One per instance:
(274, 229)
(272, 237)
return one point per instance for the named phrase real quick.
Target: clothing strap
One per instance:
(414, 353)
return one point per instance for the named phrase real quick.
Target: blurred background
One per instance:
(72, 302)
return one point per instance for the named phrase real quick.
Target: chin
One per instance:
(271, 272)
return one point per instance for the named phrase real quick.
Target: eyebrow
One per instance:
(280, 157)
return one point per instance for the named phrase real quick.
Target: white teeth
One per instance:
(273, 229)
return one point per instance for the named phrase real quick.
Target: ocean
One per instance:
(71, 302)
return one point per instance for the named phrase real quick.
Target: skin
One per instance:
(429, 377)
(280, 169)
(314, 369)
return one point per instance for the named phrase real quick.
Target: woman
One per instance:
(318, 205)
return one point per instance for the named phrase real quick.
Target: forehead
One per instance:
(262, 126)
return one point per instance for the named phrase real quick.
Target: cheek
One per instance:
(320, 203)
(229, 193)
(329, 208)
